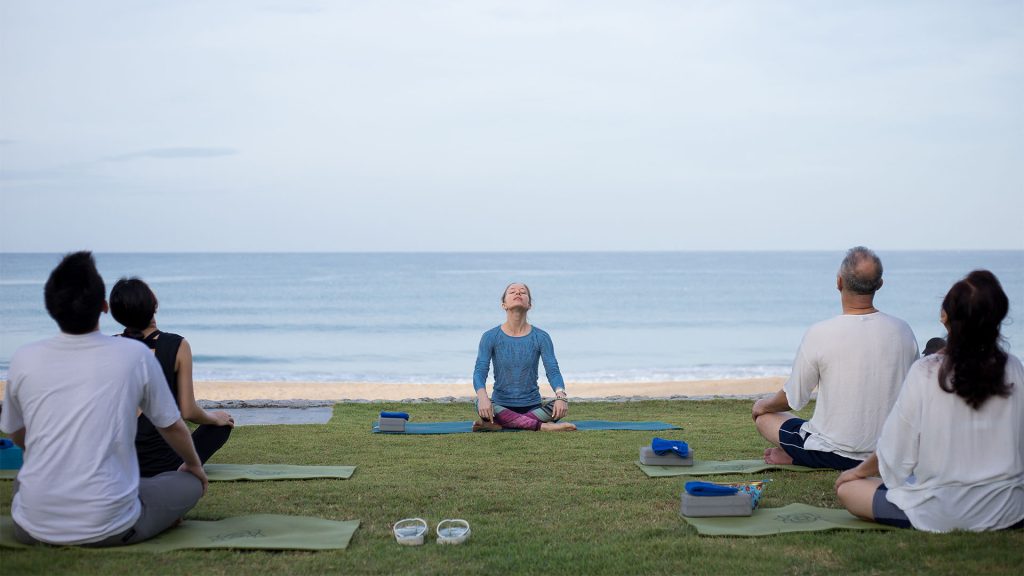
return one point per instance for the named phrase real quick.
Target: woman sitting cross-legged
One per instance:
(951, 453)
(133, 304)
(515, 348)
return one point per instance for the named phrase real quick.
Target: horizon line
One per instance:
(650, 251)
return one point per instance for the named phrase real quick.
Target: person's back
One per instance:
(857, 364)
(72, 388)
(71, 403)
(969, 473)
(951, 452)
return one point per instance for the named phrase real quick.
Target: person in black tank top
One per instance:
(133, 304)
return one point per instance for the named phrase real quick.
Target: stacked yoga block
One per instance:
(729, 499)
(10, 455)
(738, 504)
(648, 457)
(392, 421)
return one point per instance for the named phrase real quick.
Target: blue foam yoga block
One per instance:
(11, 457)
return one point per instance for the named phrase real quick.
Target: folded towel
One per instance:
(753, 488)
(709, 489)
(402, 415)
(5, 444)
(662, 446)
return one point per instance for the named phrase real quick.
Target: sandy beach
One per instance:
(342, 391)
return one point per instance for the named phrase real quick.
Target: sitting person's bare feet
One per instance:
(777, 456)
(485, 426)
(557, 426)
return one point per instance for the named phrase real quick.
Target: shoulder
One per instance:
(1014, 369)
(894, 322)
(172, 343)
(29, 355)
(491, 335)
(129, 348)
(824, 327)
(926, 367)
(33, 347)
(120, 344)
(541, 333)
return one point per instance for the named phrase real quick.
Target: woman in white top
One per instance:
(951, 453)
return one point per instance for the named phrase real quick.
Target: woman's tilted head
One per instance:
(133, 303)
(516, 295)
(974, 364)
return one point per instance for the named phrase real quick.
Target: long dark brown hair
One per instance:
(974, 365)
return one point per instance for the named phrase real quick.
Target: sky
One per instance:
(275, 125)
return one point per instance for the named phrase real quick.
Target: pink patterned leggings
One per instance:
(530, 420)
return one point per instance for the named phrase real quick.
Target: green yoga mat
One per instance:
(231, 472)
(256, 532)
(712, 467)
(792, 518)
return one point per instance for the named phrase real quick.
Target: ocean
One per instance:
(418, 317)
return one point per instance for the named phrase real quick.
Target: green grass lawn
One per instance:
(559, 503)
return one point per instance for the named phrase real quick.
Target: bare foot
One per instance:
(485, 426)
(557, 426)
(777, 456)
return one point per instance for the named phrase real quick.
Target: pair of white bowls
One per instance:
(413, 531)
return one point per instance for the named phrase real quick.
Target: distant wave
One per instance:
(636, 375)
(200, 358)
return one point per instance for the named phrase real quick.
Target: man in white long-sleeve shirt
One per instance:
(856, 361)
(71, 402)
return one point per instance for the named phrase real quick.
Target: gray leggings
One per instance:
(165, 499)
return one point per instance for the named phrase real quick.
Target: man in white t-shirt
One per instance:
(71, 402)
(857, 361)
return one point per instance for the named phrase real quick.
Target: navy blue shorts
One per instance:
(792, 441)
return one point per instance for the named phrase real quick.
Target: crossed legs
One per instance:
(165, 499)
(768, 425)
(858, 496)
(536, 419)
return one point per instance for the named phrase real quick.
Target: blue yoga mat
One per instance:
(467, 426)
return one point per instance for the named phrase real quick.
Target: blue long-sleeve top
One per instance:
(515, 360)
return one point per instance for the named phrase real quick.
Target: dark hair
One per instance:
(133, 304)
(974, 365)
(933, 346)
(74, 293)
(861, 280)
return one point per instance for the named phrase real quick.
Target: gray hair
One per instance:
(857, 278)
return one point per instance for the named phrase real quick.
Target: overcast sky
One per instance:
(521, 125)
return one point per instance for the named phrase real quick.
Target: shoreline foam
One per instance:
(283, 392)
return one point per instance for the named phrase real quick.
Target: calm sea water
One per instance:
(418, 317)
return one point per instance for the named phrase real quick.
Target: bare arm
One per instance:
(866, 469)
(18, 437)
(777, 403)
(187, 396)
(178, 438)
